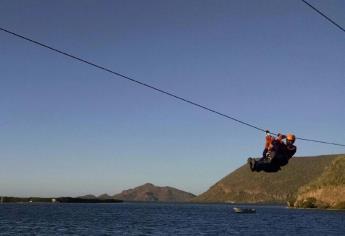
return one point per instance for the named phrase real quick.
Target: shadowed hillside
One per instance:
(327, 191)
(242, 185)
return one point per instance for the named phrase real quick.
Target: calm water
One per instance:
(164, 219)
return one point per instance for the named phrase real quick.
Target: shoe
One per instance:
(250, 161)
(253, 162)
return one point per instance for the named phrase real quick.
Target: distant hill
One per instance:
(88, 196)
(104, 196)
(152, 193)
(242, 185)
(327, 191)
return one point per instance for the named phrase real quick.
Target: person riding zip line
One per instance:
(276, 154)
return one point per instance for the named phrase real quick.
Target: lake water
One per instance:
(165, 219)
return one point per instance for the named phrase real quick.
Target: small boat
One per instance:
(244, 210)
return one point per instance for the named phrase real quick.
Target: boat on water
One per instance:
(244, 210)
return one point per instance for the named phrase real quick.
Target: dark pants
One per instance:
(272, 163)
(266, 165)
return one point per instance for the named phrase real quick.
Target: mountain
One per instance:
(152, 193)
(88, 196)
(245, 186)
(104, 196)
(327, 191)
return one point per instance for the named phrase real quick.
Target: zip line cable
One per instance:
(322, 14)
(128, 78)
(119, 75)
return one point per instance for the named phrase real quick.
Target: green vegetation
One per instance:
(59, 200)
(83, 200)
(334, 175)
(242, 185)
(310, 202)
(25, 199)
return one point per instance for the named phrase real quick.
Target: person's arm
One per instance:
(281, 137)
(269, 139)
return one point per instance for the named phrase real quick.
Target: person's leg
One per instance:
(264, 165)
(271, 168)
(264, 153)
(251, 162)
(259, 164)
(277, 157)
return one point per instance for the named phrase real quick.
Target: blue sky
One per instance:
(69, 129)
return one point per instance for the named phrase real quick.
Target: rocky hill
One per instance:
(327, 191)
(152, 193)
(242, 185)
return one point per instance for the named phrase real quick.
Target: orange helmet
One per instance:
(290, 137)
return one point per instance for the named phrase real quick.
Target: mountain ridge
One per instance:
(245, 186)
(152, 193)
